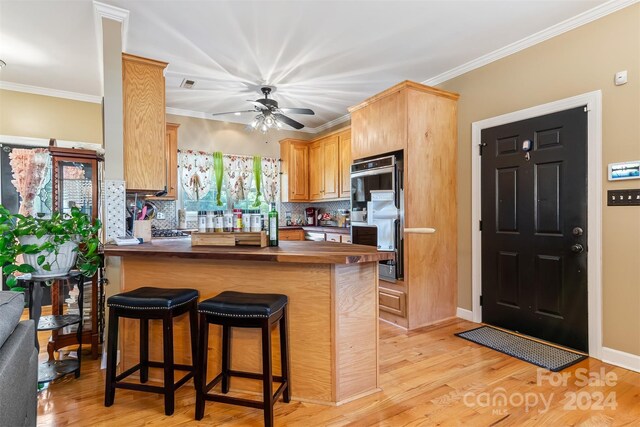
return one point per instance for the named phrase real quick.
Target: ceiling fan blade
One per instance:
(298, 111)
(233, 112)
(289, 121)
(259, 105)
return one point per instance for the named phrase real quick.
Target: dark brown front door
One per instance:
(534, 227)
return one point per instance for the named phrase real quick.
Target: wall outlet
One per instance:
(160, 215)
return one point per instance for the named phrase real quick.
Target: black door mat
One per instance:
(546, 356)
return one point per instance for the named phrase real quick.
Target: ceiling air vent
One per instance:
(187, 84)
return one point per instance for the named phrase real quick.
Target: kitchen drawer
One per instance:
(345, 238)
(296, 234)
(333, 237)
(392, 301)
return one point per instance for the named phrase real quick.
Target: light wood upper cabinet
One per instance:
(294, 154)
(171, 147)
(323, 168)
(324, 165)
(316, 170)
(345, 165)
(143, 95)
(331, 152)
(379, 124)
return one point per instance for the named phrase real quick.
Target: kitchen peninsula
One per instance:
(333, 308)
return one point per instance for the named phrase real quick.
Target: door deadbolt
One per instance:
(577, 231)
(577, 248)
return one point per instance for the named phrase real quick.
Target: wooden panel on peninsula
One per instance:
(333, 309)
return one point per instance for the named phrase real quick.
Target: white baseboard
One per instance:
(620, 358)
(464, 314)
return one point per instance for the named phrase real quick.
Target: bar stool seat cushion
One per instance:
(152, 298)
(241, 304)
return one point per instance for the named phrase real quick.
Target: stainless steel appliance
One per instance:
(377, 216)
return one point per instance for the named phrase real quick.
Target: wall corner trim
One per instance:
(465, 314)
(621, 359)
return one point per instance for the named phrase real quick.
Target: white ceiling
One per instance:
(323, 55)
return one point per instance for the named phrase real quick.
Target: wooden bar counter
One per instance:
(333, 309)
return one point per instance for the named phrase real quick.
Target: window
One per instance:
(197, 189)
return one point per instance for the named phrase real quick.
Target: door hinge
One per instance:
(482, 145)
(480, 300)
(480, 225)
(586, 109)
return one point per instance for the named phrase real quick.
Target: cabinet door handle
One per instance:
(425, 230)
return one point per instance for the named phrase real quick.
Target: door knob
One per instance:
(577, 231)
(577, 248)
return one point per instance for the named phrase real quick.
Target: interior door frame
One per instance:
(593, 102)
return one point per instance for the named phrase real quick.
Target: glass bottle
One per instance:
(273, 226)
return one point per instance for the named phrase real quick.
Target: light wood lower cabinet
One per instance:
(392, 302)
(333, 237)
(289, 234)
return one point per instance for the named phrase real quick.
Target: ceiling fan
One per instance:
(269, 114)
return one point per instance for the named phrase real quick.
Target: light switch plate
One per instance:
(629, 197)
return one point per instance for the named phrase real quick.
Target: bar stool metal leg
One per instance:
(267, 377)
(169, 386)
(112, 355)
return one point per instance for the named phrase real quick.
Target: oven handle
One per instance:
(369, 172)
(424, 230)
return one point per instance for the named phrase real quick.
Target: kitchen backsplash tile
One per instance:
(298, 209)
(168, 208)
(114, 206)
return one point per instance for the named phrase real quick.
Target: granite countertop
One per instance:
(301, 252)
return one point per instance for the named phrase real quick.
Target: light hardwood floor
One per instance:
(429, 377)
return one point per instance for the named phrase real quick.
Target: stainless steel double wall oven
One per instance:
(377, 208)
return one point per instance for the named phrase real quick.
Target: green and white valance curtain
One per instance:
(198, 183)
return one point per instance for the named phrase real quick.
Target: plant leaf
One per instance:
(25, 268)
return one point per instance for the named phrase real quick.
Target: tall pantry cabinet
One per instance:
(421, 121)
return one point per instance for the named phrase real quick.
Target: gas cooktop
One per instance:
(167, 233)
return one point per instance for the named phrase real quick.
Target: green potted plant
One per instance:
(50, 247)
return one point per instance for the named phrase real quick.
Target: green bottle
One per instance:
(273, 226)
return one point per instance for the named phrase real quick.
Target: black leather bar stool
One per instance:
(243, 310)
(144, 304)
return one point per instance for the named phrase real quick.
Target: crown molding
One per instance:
(44, 142)
(208, 116)
(331, 124)
(36, 90)
(546, 34)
